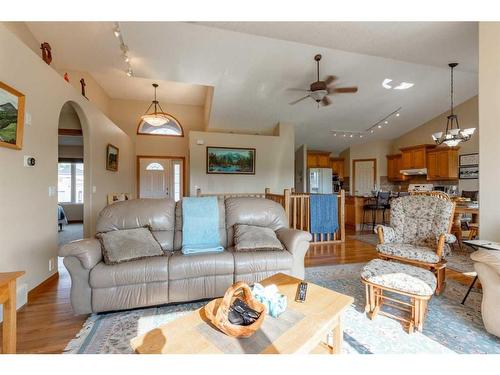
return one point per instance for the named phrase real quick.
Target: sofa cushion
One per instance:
(401, 277)
(147, 270)
(249, 262)
(407, 251)
(157, 214)
(129, 244)
(251, 237)
(253, 211)
(183, 266)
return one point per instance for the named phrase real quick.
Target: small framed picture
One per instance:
(469, 159)
(227, 160)
(11, 117)
(469, 173)
(112, 155)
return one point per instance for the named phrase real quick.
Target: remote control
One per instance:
(301, 292)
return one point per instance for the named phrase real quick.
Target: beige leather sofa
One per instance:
(487, 265)
(175, 277)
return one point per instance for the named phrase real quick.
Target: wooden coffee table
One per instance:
(322, 316)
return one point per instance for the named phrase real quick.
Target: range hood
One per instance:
(413, 172)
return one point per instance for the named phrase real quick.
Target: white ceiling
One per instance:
(251, 74)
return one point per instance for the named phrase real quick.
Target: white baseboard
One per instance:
(22, 298)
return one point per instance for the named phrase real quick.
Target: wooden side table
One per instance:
(8, 300)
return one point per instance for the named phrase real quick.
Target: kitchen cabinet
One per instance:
(442, 164)
(394, 165)
(337, 165)
(415, 157)
(318, 159)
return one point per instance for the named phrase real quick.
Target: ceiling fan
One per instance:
(320, 90)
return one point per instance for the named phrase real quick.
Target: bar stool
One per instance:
(381, 204)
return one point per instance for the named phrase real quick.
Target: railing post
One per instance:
(267, 191)
(286, 204)
(198, 192)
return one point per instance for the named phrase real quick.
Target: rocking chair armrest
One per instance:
(444, 238)
(385, 234)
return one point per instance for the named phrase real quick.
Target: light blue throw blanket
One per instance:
(200, 225)
(324, 213)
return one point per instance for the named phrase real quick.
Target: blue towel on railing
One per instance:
(200, 225)
(324, 213)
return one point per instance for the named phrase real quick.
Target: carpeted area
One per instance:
(459, 259)
(448, 328)
(70, 232)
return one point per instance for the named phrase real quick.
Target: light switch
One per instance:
(27, 119)
(94, 189)
(200, 142)
(52, 191)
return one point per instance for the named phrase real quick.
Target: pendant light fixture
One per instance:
(453, 135)
(155, 118)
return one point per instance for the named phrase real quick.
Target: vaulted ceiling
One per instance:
(252, 66)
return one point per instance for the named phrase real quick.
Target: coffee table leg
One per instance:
(338, 337)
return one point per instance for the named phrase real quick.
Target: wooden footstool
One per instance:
(414, 282)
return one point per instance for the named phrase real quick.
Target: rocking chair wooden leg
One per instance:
(441, 279)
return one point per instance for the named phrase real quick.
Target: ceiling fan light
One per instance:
(155, 119)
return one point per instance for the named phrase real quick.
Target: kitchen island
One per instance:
(354, 213)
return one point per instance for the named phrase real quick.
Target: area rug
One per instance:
(449, 327)
(459, 260)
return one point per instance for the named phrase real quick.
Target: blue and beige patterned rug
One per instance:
(448, 328)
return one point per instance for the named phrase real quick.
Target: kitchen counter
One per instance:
(354, 212)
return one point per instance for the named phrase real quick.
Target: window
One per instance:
(70, 182)
(171, 128)
(177, 180)
(154, 167)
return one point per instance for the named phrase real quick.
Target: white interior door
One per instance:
(364, 177)
(160, 178)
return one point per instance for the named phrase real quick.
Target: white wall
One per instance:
(274, 162)
(489, 115)
(28, 221)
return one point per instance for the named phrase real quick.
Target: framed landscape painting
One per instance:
(11, 117)
(226, 160)
(112, 153)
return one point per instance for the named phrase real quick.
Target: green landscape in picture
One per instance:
(8, 117)
(230, 160)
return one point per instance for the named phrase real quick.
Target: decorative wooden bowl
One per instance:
(217, 311)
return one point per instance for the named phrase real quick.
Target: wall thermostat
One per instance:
(200, 141)
(29, 161)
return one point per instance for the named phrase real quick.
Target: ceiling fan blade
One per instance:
(298, 100)
(344, 90)
(330, 79)
(325, 101)
(296, 89)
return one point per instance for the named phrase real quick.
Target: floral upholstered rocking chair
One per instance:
(419, 233)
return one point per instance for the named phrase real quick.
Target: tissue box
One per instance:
(274, 302)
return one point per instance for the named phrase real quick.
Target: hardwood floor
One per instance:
(47, 323)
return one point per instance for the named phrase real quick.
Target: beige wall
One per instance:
(489, 115)
(126, 114)
(274, 162)
(28, 215)
(301, 169)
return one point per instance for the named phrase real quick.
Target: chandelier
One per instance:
(453, 135)
(155, 118)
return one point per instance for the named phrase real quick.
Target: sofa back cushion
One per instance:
(178, 224)
(420, 219)
(157, 214)
(253, 211)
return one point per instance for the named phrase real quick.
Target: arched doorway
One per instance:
(71, 184)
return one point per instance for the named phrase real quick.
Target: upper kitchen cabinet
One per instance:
(415, 157)
(337, 165)
(394, 166)
(318, 159)
(442, 164)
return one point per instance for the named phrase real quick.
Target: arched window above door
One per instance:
(154, 167)
(171, 128)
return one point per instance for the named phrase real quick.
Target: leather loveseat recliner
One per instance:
(175, 277)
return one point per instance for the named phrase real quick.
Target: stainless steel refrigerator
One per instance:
(320, 181)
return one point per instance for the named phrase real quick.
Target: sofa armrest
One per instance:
(488, 257)
(385, 234)
(87, 251)
(297, 243)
